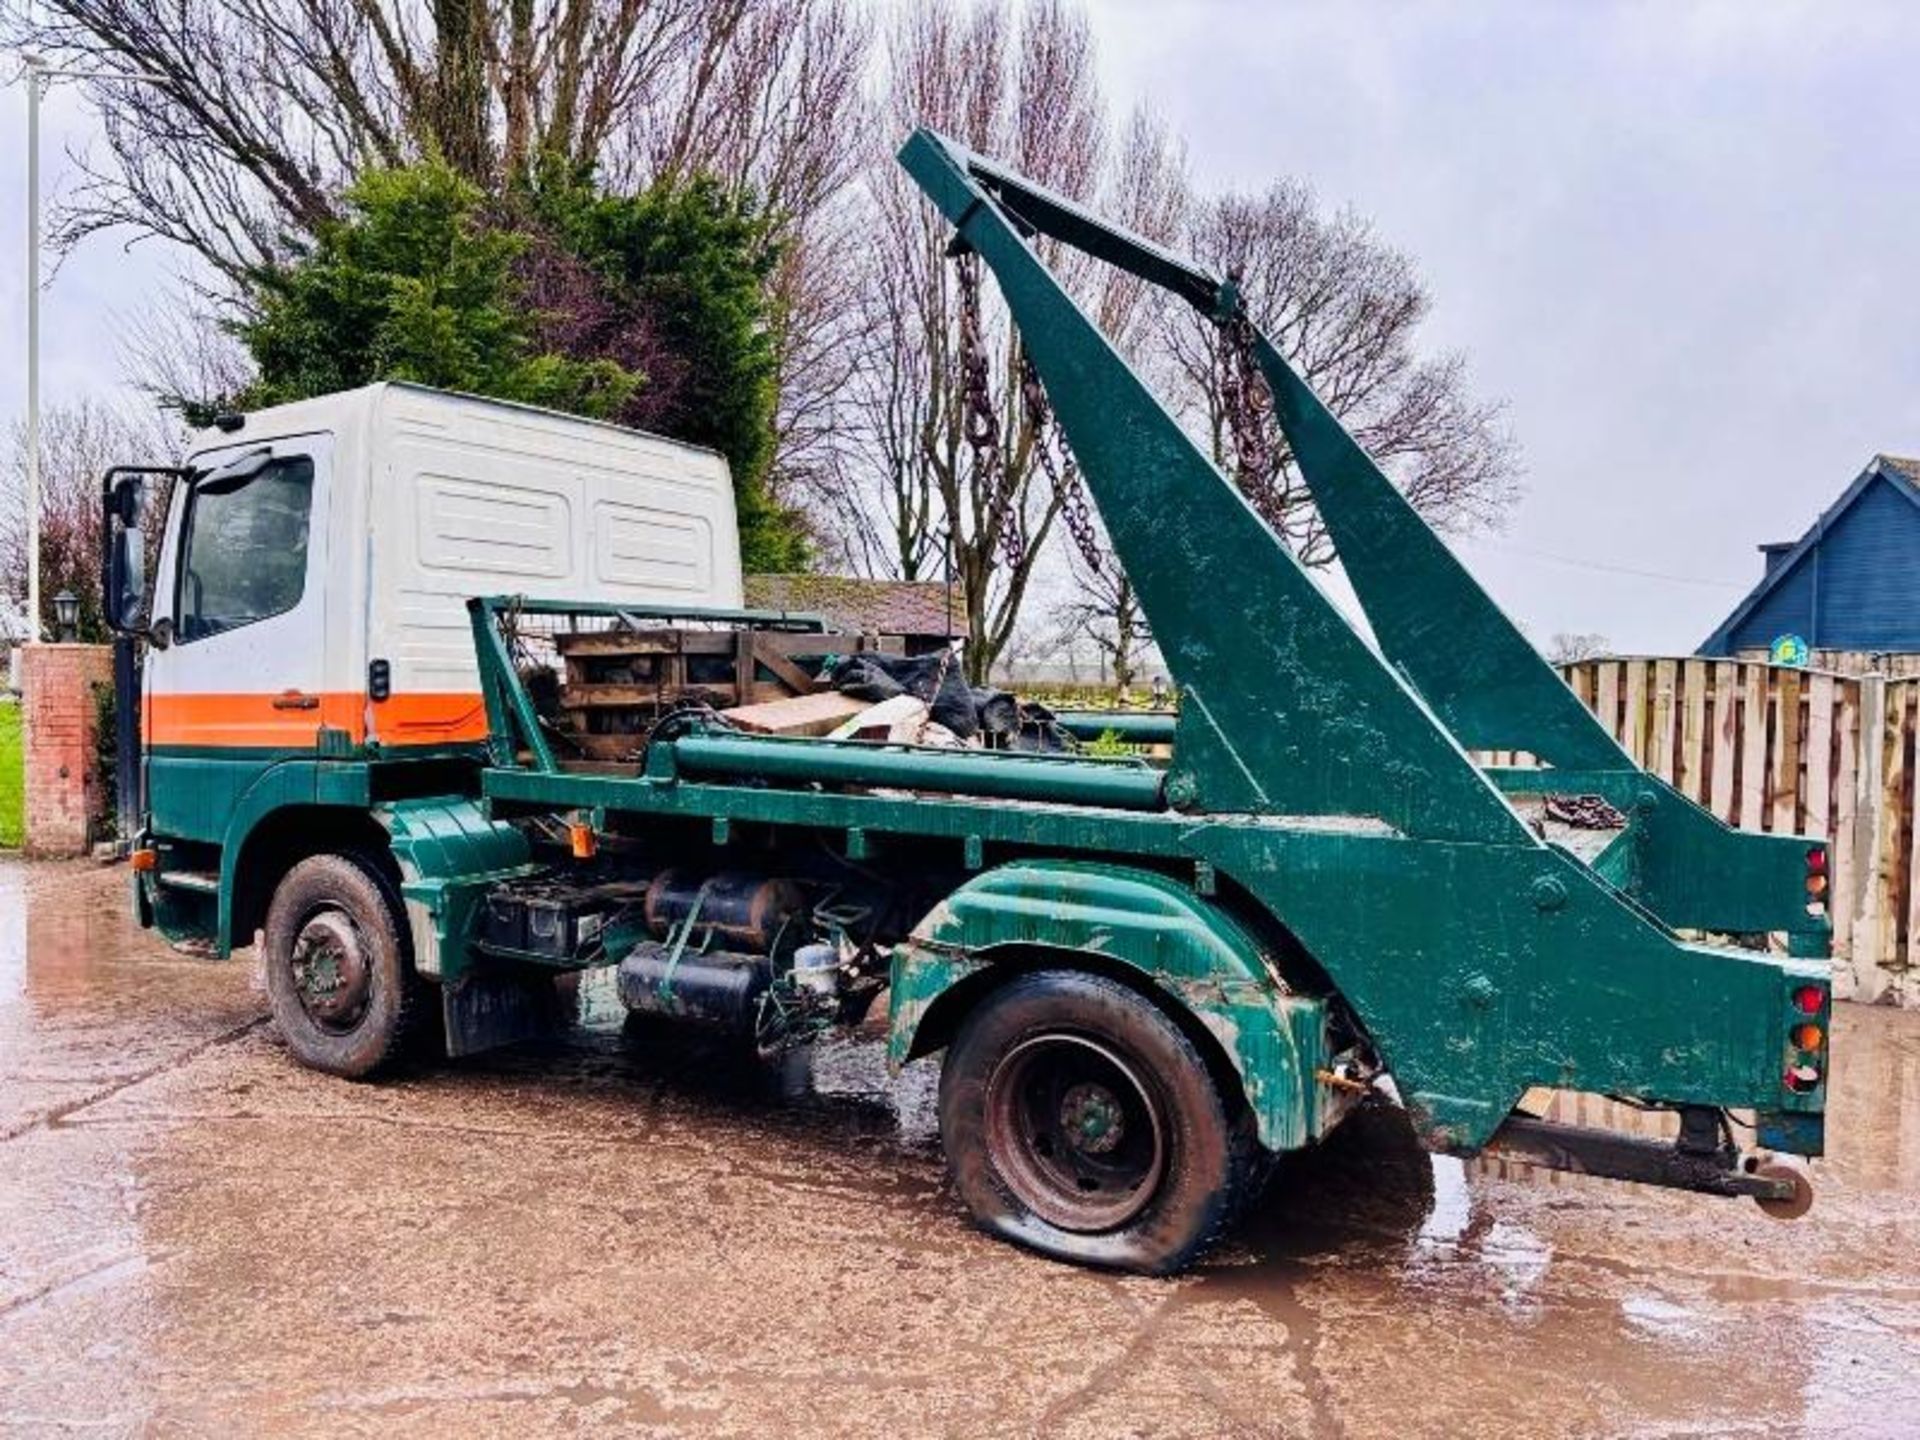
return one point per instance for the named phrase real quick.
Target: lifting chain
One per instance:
(980, 421)
(1584, 812)
(1243, 398)
(1064, 473)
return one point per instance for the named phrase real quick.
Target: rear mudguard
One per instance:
(1198, 958)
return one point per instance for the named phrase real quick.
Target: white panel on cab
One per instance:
(473, 497)
(492, 528)
(652, 547)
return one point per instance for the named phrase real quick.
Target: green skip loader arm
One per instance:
(1336, 790)
(1493, 690)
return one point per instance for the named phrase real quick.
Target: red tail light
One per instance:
(1817, 860)
(1808, 999)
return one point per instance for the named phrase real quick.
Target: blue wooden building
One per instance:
(1851, 583)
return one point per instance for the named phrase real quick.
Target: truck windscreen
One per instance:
(244, 554)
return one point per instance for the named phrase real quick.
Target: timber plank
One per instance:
(783, 669)
(1842, 896)
(1753, 747)
(1693, 729)
(1895, 797)
(1607, 695)
(1784, 780)
(814, 714)
(1818, 751)
(621, 643)
(1665, 679)
(1633, 732)
(1907, 853)
(1724, 739)
(610, 696)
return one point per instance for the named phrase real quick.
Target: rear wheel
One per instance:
(1080, 1121)
(339, 974)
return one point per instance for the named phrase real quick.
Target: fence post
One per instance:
(1866, 980)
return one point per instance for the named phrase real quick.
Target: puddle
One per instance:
(616, 1230)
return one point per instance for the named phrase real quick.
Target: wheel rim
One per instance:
(1074, 1132)
(331, 973)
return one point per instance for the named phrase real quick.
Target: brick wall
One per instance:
(64, 796)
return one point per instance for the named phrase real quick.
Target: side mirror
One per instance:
(126, 595)
(124, 499)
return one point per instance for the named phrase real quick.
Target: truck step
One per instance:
(202, 882)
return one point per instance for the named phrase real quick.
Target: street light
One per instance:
(66, 617)
(38, 75)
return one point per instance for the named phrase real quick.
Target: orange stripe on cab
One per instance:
(292, 719)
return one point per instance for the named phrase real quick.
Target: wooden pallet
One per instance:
(619, 682)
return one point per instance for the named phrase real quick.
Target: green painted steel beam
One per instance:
(1105, 784)
(1429, 615)
(1049, 213)
(1134, 727)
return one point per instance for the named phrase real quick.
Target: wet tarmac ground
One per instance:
(197, 1237)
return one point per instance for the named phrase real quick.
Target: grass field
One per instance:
(13, 777)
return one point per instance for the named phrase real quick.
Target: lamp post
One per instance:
(38, 75)
(66, 617)
(34, 72)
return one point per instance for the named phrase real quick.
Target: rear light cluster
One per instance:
(1806, 1039)
(1817, 880)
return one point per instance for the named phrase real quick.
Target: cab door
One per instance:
(241, 685)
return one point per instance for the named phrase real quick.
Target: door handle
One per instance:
(294, 700)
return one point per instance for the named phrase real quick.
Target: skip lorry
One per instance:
(434, 709)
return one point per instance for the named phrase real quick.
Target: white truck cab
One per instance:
(314, 575)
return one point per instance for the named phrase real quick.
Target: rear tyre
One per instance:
(339, 969)
(1080, 1121)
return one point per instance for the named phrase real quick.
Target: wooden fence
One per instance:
(1792, 752)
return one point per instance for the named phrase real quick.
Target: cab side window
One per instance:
(244, 557)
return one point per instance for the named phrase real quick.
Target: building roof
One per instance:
(1910, 469)
(868, 607)
(1784, 556)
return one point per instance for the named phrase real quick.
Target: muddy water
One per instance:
(601, 1236)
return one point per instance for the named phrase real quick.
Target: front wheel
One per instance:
(1080, 1121)
(339, 975)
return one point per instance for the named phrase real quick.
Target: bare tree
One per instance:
(1569, 648)
(181, 354)
(261, 110)
(956, 461)
(1103, 610)
(265, 109)
(1344, 308)
(77, 444)
(770, 99)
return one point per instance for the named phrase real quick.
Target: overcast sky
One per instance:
(1679, 240)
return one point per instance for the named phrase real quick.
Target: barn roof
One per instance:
(1904, 476)
(868, 607)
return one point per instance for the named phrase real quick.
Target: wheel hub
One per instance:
(330, 970)
(1092, 1118)
(1075, 1133)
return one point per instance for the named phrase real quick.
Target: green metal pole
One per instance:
(955, 772)
(1133, 727)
